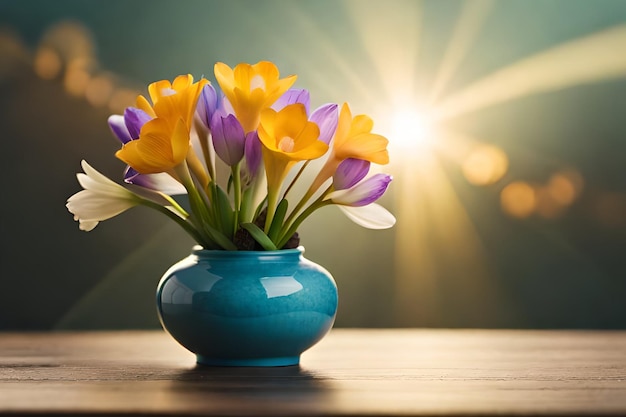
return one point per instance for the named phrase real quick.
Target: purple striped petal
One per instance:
(362, 194)
(119, 129)
(158, 182)
(293, 96)
(134, 119)
(228, 138)
(208, 103)
(349, 173)
(326, 117)
(253, 154)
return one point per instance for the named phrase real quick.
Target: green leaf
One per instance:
(225, 211)
(259, 235)
(279, 217)
(219, 238)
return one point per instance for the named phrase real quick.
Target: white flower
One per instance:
(101, 198)
(372, 216)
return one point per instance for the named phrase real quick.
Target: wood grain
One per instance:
(350, 373)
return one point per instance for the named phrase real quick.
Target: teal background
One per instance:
(564, 272)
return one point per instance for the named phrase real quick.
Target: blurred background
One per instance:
(507, 128)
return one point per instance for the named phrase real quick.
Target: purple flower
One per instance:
(253, 154)
(228, 137)
(326, 117)
(119, 129)
(362, 194)
(208, 103)
(128, 126)
(134, 119)
(159, 182)
(349, 172)
(293, 96)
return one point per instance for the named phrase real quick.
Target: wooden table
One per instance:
(349, 373)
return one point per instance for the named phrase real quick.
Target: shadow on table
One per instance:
(287, 379)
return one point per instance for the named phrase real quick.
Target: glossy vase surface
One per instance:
(247, 308)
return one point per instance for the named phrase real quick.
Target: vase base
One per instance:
(260, 362)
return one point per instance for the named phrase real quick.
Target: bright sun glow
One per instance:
(411, 129)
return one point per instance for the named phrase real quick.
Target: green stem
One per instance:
(319, 203)
(236, 172)
(301, 203)
(295, 178)
(188, 227)
(272, 202)
(174, 204)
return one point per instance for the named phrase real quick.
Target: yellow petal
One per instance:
(310, 152)
(367, 146)
(180, 142)
(182, 82)
(144, 105)
(361, 124)
(225, 78)
(290, 121)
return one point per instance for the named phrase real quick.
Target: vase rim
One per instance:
(200, 251)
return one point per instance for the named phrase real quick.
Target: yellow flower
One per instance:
(287, 137)
(353, 139)
(164, 141)
(251, 88)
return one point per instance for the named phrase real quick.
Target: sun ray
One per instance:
(594, 58)
(326, 48)
(437, 239)
(469, 24)
(393, 46)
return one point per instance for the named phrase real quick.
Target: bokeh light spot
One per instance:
(565, 186)
(518, 199)
(99, 90)
(47, 63)
(77, 77)
(485, 165)
(122, 98)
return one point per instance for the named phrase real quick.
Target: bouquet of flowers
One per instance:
(237, 155)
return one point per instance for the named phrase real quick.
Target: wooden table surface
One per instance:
(349, 373)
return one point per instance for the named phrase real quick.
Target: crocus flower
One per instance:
(253, 155)
(209, 102)
(362, 194)
(326, 118)
(228, 138)
(127, 128)
(293, 96)
(349, 173)
(287, 137)
(251, 88)
(353, 139)
(164, 141)
(357, 201)
(101, 198)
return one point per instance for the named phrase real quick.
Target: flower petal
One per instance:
(372, 216)
(119, 129)
(326, 117)
(208, 103)
(134, 119)
(349, 173)
(293, 96)
(158, 182)
(101, 198)
(228, 138)
(362, 194)
(252, 152)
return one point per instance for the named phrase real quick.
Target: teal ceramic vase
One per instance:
(247, 308)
